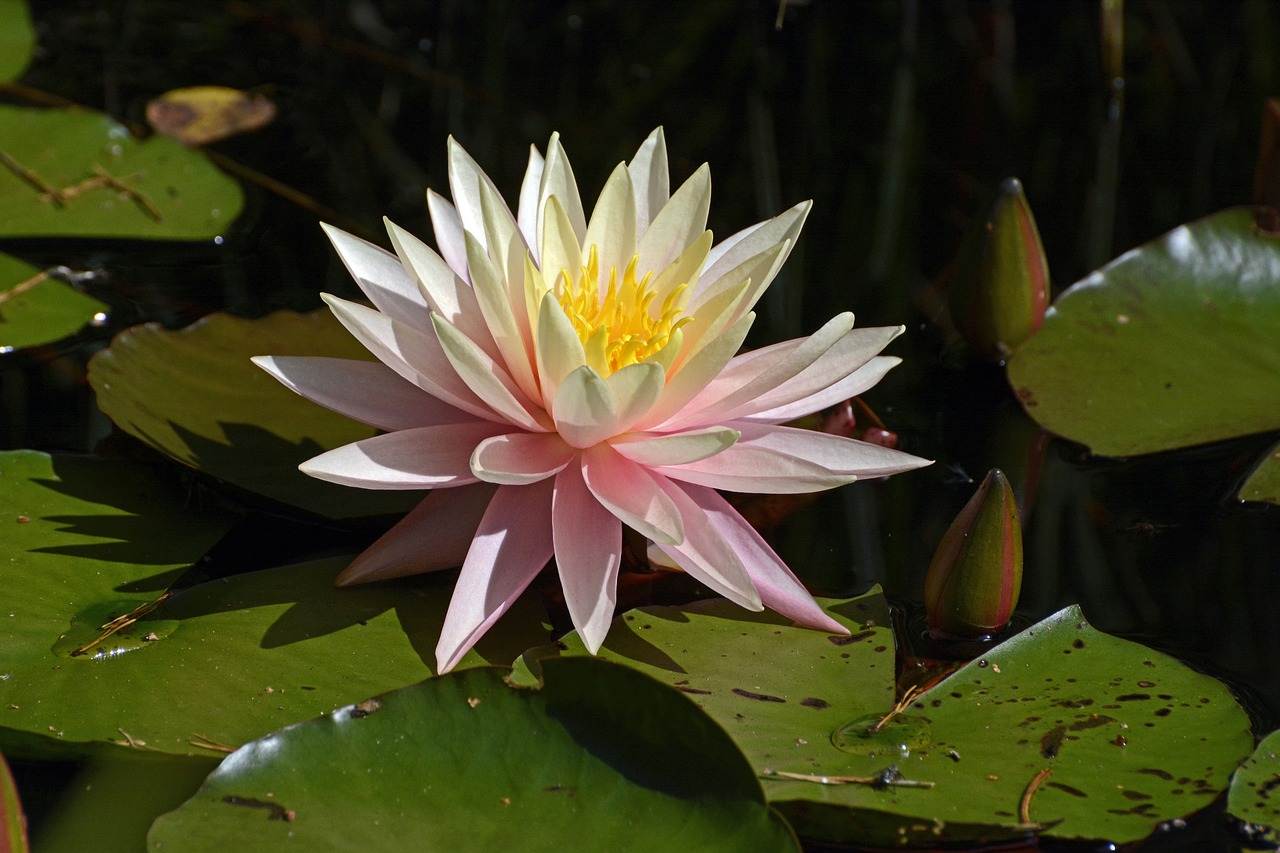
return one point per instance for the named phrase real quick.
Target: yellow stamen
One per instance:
(620, 327)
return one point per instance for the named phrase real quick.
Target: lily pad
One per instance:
(1263, 484)
(1131, 737)
(79, 173)
(469, 762)
(194, 395)
(17, 39)
(36, 309)
(1254, 798)
(1174, 343)
(13, 826)
(219, 663)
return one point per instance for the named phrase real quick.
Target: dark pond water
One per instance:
(897, 118)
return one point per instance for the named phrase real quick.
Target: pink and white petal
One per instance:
(558, 346)
(447, 294)
(633, 494)
(465, 181)
(447, 226)
(435, 535)
(561, 246)
(508, 253)
(366, 391)
(635, 388)
(612, 228)
(679, 223)
(677, 448)
(512, 544)
(558, 182)
(780, 590)
(833, 452)
(782, 369)
(845, 358)
(490, 287)
(856, 383)
(527, 209)
(752, 241)
(382, 278)
(419, 458)
(706, 555)
(694, 374)
(588, 543)
(715, 315)
(759, 270)
(488, 380)
(746, 467)
(651, 178)
(684, 270)
(520, 458)
(415, 356)
(583, 409)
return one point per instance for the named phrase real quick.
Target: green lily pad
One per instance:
(13, 826)
(469, 762)
(36, 309)
(17, 39)
(1173, 344)
(1263, 484)
(78, 173)
(1254, 798)
(221, 662)
(194, 395)
(1131, 737)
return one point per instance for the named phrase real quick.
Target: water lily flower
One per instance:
(552, 377)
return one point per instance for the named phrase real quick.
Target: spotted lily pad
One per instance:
(37, 309)
(600, 757)
(17, 39)
(1130, 737)
(1255, 793)
(195, 396)
(216, 664)
(1173, 344)
(1263, 484)
(78, 173)
(13, 827)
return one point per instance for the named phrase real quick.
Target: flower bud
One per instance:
(974, 579)
(999, 289)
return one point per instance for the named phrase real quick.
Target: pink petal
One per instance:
(435, 535)
(588, 542)
(512, 544)
(520, 458)
(419, 458)
(487, 379)
(633, 494)
(780, 590)
(649, 449)
(857, 382)
(447, 226)
(382, 278)
(366, 391)
(706, 555)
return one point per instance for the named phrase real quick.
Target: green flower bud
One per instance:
(974, 579)
(999, 289)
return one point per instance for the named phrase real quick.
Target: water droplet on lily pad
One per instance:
(86, 631)
(897, 738)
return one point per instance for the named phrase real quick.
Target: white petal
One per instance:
(435, 535)
(558, 181)
(490, 286)
(759, 270)
(633, 494)
(382, 278)
(512, 544)
(488, 380)
(416, 356)
(588, 543)
(561, 246)
(520, 458)
(651, 178)
(679, 223)
(559, 349)
(676, 448)
(465, 181)
(685, 270)
(447, 226)
(448, 295)
(613, 224)
(583, 409)
(856, 383)
(635, 388)
(419, 458)
(367, 391)
(527, 210)
(697, 372)
(754, 240)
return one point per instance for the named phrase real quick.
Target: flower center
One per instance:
(621, 326)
